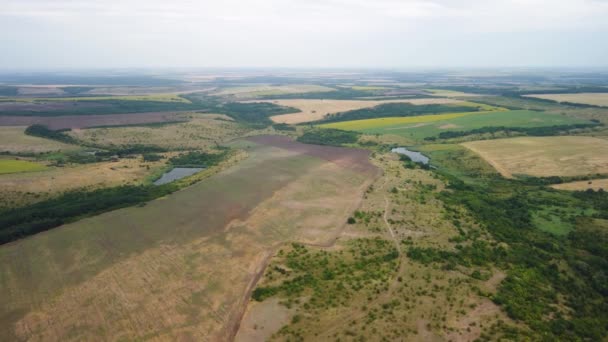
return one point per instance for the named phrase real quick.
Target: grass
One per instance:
(19, 166)
(421, 127)
(14, 140)
(544, 156)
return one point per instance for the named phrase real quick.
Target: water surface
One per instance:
(177, 173)
(416, 157)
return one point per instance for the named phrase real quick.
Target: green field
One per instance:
(420, 127)
(15, 166)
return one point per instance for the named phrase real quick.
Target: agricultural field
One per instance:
(595, 184)
(151, 97)
(199, 132)
(138, 273)
(9, 166)
(420, 127)
(313, 110)
(84, 121)
(14, 140)
(544, 156)
(243, 92)
(595, 99)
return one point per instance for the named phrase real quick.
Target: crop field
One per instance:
(201, 131)
(14, 140)
(313, 110)
(596, 99)
(544, 156)
(269, 90)
(83, 121)
(140, 273)
(420, 127)
(8, 166)
(151, 97)
(594, 184)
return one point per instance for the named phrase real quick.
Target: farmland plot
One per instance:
(139, 273)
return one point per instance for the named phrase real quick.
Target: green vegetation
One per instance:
(44, 132)
(532, 131)
(15, 166)
(198, 159)
(397, 110)
(255, 114)
(329, 279)
(333, 137)
(529, 227)
(20, 222)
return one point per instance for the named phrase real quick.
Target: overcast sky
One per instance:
(47, 34)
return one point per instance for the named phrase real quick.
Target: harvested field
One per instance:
(269, 90)
(14, 140)
(595, 184)
(201, 131)
(313, 110)
(138, 273)
(596, 99)
(83, 121)
(544, 156)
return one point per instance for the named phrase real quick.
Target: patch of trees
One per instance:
(531, 131)
(42, 131)
(24, 221)
(396, 110)
(540, 267)
(332, 137)
(198, 159)
(283, 127)
(255, 114)
(9, 91)
(76, 90)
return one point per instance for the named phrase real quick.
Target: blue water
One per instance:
(416, 157)
(177, 173)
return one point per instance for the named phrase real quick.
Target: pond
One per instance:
(177, 173)
(416, 157)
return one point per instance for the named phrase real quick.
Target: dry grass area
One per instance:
(269, 90)
(22, 188)
(141, 274)
(416, 303)
(595, 184)
(313, 110)
(596, 99)
(544, 156)
(202, 131)
(14, 140)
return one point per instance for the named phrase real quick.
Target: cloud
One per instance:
(285, 32)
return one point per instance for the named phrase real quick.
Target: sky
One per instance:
(401, 34)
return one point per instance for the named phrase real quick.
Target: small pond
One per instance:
(177, 173)
(416, 157)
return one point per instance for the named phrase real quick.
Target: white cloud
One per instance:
(284, 32)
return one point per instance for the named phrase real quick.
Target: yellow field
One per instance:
(544, 156)
(596, 99)
(595, 184)
(313, 110)
(19, 166)
(382, 122)
(269, 90)
(14, 140)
